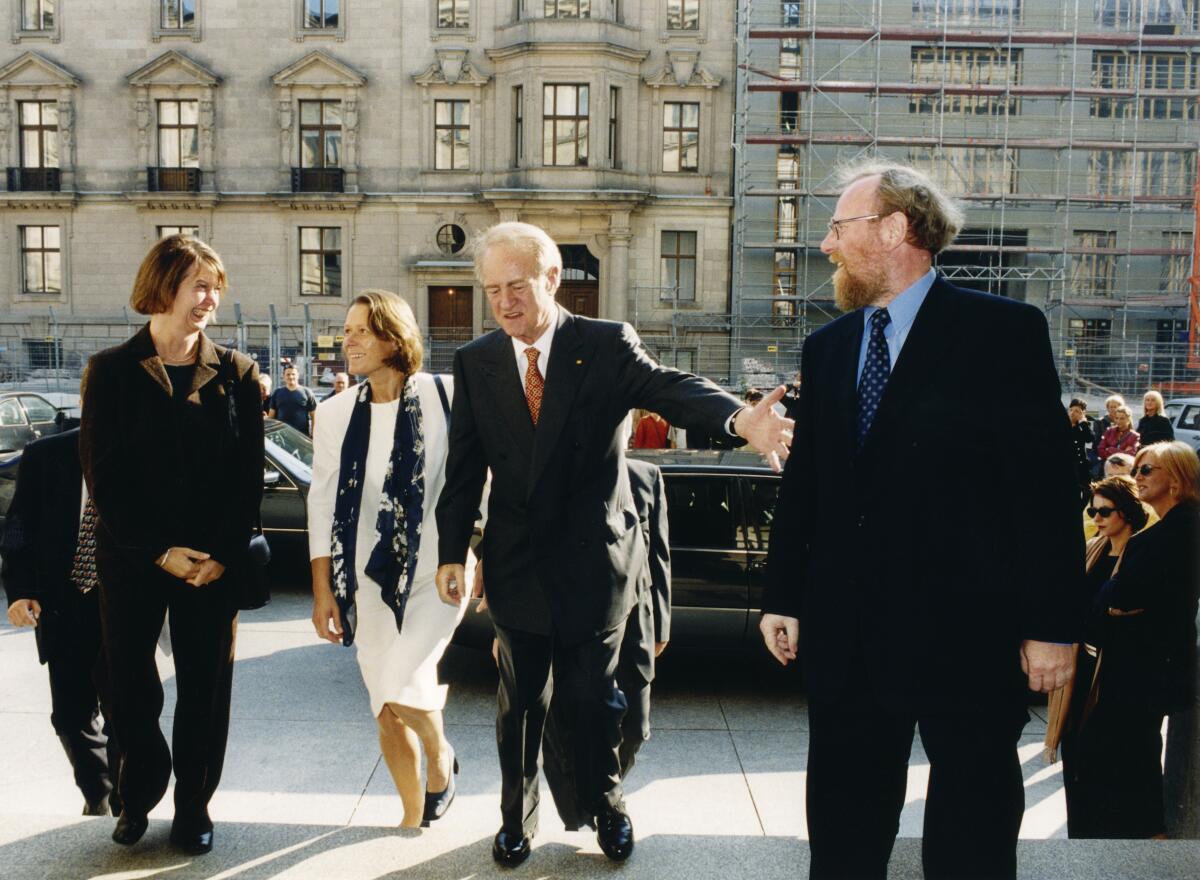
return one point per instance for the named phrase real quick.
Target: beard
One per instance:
(852, 291)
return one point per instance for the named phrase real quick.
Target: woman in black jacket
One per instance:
(171, 443)
(1154, 427)
(1143, 628)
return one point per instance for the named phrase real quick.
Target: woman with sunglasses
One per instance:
(1139, 661)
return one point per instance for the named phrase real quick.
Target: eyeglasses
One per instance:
(1145, 469)
(835, 226)
(1104, 512)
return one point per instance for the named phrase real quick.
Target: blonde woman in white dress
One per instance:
(378, 468)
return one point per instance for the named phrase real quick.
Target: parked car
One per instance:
(25, 416)
(720, 504)
(1184, 413)
(287, 473)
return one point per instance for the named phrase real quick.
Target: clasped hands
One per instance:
(192, 566)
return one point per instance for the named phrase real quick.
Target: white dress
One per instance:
(396, 667)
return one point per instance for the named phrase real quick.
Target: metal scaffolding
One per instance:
(1068, 129)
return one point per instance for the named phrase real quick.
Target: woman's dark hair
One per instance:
(1122, 492)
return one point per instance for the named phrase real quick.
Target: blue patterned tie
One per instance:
(876, 369)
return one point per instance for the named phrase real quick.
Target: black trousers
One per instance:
(78, 694)
(635, 671)
(203, 625)
(857, 775)
(532, 668)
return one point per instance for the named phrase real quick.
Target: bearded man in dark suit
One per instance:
(540, 402)
(916, 612)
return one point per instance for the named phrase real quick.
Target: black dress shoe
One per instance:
(194, 843)
(438, 802)
(510, 850)
(614, 833)
(129, 829)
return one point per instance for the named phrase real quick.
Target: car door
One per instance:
(282, 505)
(1187, 426)
(42, 415)
(759, 494)
(708, 570)
(15, 432)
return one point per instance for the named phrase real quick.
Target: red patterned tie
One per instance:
(534, 383)
(83, 568)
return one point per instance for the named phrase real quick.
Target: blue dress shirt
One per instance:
(903, 311)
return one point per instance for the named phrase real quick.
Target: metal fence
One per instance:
(46, 353)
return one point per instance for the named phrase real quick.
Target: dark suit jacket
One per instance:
(41, 533)
(899, 560)
(166, 475)
(563, 549)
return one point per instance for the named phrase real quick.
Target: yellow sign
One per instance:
(338, 339)
(324, 342)
(1069, 352)
(772, 348)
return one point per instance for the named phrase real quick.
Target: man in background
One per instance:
(293, 403)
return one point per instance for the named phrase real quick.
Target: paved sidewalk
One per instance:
(717, 792)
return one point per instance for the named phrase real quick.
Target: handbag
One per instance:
(251, 588)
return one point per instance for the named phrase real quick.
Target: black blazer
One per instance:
(165, 474)
(1150, 657)
(563, 549)
(650, 499)
(1154, 429)
(901, 558)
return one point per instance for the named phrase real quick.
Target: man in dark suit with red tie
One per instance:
(540, 402)
(918, 608)
(49, 574)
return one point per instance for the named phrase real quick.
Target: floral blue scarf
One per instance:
(393, 561)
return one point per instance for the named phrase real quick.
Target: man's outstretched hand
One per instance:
(766, 430)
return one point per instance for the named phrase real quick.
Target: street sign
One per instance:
(324, 342)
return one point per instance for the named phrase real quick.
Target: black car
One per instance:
(287, 473)
(720, 504)
(25, 416)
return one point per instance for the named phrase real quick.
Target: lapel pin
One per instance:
(577, 363)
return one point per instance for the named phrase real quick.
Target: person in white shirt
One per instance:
(378, 470)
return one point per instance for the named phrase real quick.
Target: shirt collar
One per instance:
(903, 309)
(542, 343)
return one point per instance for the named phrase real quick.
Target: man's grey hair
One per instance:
(934, 217)
(525, 239)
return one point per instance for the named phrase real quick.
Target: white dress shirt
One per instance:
(542, 344)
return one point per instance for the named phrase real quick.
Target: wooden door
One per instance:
(451, 321)
(580, 297)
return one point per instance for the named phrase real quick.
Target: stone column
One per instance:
(616, 273)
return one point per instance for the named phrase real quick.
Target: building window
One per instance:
(1159, 71)
(1110, 70)
(178, 134)
(683, 15)
(452, 135)
(1164, 173)
(784, 284)
(565, 125)
(1110, 172)
(997, 13)
(177, 14)
(320, 134)
(193, 231)
(567, 9)
(321, 14)
(37, 15)
(969, 170)
(451, 238)
(789, 58)
(1177, 267)
(1153, 15)
(965, 66)
(1094, 263)
(38, 121)
(614, 127)
(679, 265)
(320, 261)
(681, 136)
(518, 125)
(41, 259)
(453, 14)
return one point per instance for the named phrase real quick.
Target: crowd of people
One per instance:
(508, 481)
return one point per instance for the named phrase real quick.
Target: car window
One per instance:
(760, 513)
(37, 409)
(1171, 410)
(1190, 420)
(700, 511)
(10, 414)
(288, 440)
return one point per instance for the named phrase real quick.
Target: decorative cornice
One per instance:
(318, 201)
(194, 72)
(451, 68)
(173, 201)
(54, 74)
(519, 50)
(28, 201)
(336, 73)
(683, 71)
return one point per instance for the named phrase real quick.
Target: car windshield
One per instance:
(291, 447)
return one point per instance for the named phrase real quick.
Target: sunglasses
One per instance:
(1104, 512)
(1145, 469)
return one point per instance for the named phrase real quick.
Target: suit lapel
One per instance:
(499, 366)
(148, 359)
(563, 372)
(207, 363)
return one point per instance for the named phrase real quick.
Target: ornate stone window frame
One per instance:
(451, 77)
(318, 76)
(173, 76)
(339, 215)
(36, 214)
(20, 34)
(31, 77)
(338, 34)
(470, 33)
(699, 35)
(683, 79)
(159, 33)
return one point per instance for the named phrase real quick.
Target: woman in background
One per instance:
(1154, 427)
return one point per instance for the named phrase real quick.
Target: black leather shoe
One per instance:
(614, 833)
(438, 802)
(194, 843)
(129, 829)
(510, 850)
